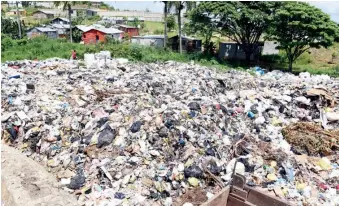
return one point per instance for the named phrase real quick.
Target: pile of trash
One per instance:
(172, 133)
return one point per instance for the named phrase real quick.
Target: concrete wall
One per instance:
(149, 16)
(270, 48)
(148, 42)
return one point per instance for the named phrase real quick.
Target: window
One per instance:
(84, 35)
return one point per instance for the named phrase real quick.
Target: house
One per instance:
(130, 30)
(40, 14)
(189, 44)
(13, 12)
(92, 34)
(62, 29)
(149, 40)
(232, 50)
(96, 4)
(114, 20)
(90, 12)
(60, 20)
(38, 31)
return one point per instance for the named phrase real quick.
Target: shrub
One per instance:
(158, 31)
(136, 52)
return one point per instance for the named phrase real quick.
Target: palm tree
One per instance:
(178, 6)
(68, 5)
(19, 22)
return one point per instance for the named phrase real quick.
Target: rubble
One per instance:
(171, 133)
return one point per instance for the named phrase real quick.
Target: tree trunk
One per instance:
(290, 62)
(19, 22)
(248, 58)
(179, 25)
(165, 19)
(70, 22)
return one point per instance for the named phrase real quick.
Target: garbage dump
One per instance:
(123, 133)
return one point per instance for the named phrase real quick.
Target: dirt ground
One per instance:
(26, 182)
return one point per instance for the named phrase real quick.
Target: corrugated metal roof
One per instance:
(126, 26)
(63, 19)
(61, 26)
(45, 29)
(102, 29)
(45, 11)
(149, 37)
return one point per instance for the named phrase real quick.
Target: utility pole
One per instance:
(165, 19)
(19, 22)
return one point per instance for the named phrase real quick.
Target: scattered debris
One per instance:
(171, 133)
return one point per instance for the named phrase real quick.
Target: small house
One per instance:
(149, 40)
(38, 31)
(90, 13)
(93, 35)
(114, 20)
(96, 4)
(232, 50)
(62, 29)
(43, 14)
(189, 44)
(14, 12)
(60, 20)
(130, 30)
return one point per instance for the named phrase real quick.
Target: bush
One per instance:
(273, 58)
(158, 31)
(6, 43)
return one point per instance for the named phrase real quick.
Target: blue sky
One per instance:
(330, 7)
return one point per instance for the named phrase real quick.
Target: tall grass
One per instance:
(43, 48)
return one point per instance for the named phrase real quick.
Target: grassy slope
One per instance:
(151, 26)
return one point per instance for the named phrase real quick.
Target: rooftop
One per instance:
(63, 19)
(127, 26)
(44, 11)
(149, 37)
(101, 28)
(45, 29)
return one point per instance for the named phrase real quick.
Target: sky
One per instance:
(330, 7)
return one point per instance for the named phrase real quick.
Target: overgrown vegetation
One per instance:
(43, 48)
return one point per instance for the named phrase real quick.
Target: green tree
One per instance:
(202, 25)
(298, 26)
(171, 23)
(135, 22)
(178, 6)
(25, 3)
(243, 22)
(11, 28)
(67, 5)
(76, 35)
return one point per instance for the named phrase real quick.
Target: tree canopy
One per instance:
(298, 26)
(10, 27)
(242, 22)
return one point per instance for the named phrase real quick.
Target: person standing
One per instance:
(74, 55)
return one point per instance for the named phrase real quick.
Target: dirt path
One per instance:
(25, 182)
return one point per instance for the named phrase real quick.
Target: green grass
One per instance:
(42, 48)
(151, 27)
(316, 61)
